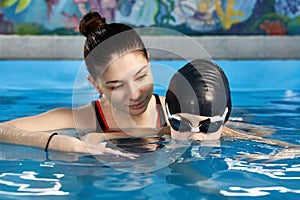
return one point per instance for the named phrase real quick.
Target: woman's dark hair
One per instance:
(106, 42)
(201, 88)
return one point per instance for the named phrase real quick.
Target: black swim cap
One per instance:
(200, 88)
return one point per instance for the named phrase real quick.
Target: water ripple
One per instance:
(256, 191)
(276, 171)
(24, 184)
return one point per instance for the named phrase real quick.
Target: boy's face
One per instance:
(194, 127)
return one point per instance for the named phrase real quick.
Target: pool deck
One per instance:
(15, 47)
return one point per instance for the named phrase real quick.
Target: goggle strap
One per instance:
(195, 129)
(218, 117)
(212, 119)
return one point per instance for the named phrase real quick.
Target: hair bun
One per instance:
(91, 22)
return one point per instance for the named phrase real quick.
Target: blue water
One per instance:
(265, 94)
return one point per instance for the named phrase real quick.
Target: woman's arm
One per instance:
(60, 118)
(12, 135)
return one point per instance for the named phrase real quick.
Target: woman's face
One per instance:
(128, 83)
(194, 121)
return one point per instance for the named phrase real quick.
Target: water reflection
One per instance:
(286, 174)
(28, 184)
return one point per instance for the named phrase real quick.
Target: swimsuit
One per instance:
(102, 125)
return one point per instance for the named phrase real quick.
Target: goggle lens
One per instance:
(204, 126)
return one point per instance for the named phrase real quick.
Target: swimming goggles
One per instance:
(209, 125)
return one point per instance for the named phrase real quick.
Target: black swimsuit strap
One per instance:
(100, 124)
(161, 112)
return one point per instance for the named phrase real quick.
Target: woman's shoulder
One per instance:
(162, 100)
(84, 117)
(84, 107)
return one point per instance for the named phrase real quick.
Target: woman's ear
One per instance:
(95, 84)
(148, 56)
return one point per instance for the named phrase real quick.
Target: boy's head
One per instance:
(200, 88)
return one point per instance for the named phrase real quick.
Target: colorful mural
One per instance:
(192, 17)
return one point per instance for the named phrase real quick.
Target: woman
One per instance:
(119, 67)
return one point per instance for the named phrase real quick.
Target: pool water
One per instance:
(264, 94)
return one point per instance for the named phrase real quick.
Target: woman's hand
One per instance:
(93, 138)
(95, 142)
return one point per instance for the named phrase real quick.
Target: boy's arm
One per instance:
(228, 132)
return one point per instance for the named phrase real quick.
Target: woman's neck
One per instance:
(147, 119)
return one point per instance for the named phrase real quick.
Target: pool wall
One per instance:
(242, 74)
(13, 47)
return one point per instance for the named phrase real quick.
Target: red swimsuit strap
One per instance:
(100, 116)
